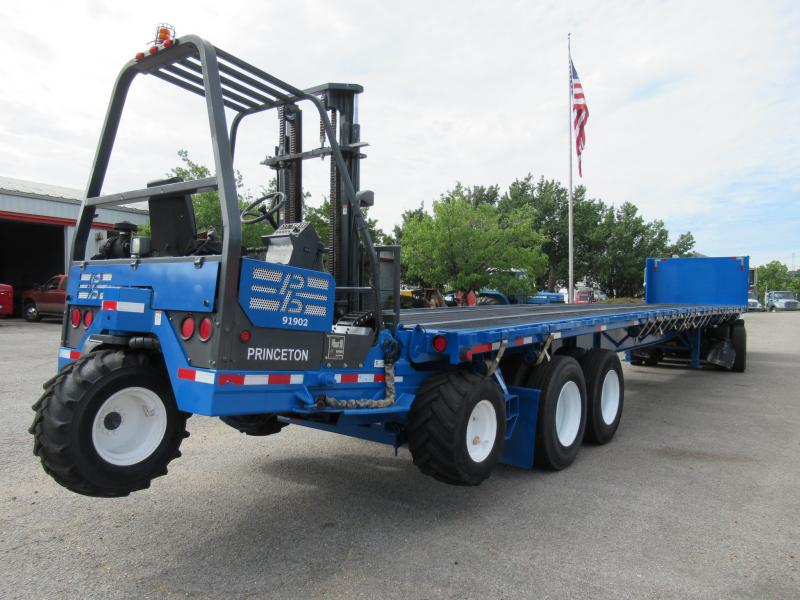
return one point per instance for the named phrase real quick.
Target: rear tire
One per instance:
(605, 392)
(457, 426)
(739, 341)
(562, 411)
(108, 424)
(255, 425)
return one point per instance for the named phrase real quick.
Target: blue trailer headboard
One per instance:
(718, 280)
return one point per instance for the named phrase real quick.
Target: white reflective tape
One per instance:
(398, 379)
(495, 345)
(366, 378)
(378, 364)
(63, 353)
(296, 379)
(557, 335)
(256, 379)
(203, 376)
(337, 378)
(527, 339)
(132, 307)
(157, 318)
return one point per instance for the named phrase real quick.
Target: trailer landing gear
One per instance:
(457, 426)
(108, 424)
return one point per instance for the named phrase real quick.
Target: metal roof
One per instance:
(46, 191)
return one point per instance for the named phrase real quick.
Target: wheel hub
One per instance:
(568, 413)
(129, 426)
(609, 397)
(481, 431)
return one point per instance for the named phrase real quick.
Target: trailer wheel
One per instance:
(739, 341)
(562, 411)
(108, 424)
(605, 392)
(255, 425)
(457, 426)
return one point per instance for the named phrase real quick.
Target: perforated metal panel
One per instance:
(286, 297)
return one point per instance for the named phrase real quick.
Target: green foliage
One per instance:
(465, 245)
(319, 216)
(776, 276)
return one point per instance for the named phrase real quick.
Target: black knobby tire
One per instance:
(31, 313)
(65, 416)
(437, 426)
(739, 341)
(602, 368)
(255, 425)
(550, 378)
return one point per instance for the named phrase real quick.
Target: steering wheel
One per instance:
(250, 215)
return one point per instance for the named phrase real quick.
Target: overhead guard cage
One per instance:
(224, 81)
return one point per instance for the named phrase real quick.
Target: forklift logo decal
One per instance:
(286, 297)
(289, 294)
(92, 285)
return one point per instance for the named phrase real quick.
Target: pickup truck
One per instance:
(6, 300)
(45, 300)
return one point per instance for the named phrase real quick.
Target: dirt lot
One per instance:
(697, 496)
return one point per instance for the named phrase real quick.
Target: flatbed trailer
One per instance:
(163, 326)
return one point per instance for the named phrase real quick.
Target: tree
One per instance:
(547, 201)
(464, 245)
(319, 216)
(628, 241)
(773, 276)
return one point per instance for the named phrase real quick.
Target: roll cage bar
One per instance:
(224, 80)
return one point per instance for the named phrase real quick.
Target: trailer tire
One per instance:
(605, 392)
(75, 444)
(739, 341)
(560, 427)
(457, 426)
(255, 425)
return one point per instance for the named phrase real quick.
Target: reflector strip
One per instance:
(360, 377)
(599, 328)
(196, 376)
(521, 341)
(274, 379)
(68, 353)
(132, 307)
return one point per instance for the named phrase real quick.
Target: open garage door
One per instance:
(30, 253)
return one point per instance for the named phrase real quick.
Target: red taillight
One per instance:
(167, 43)
(439, 343)
(153, 50)
(205, 329)
(88, 317)
(187, 328)
(139, 55)
(244, 336)
(76, 317)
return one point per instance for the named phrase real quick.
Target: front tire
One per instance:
(31, 313)
(457, 426)
(562, 411)
(109, 424)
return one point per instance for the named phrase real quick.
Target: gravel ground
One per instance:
(697, 496)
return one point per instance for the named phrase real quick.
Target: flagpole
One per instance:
(570, 289)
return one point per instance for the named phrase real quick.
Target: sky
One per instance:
(693, 105)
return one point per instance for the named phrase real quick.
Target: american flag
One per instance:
(580, 113)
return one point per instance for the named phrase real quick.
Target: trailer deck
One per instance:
(477, 317)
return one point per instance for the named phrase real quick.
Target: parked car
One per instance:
(585, 297)
(778, 300)
(45, 300)
(6, 300)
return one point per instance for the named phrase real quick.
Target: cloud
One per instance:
(692, 105)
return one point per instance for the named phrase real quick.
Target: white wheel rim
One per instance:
(129, 426)
(568, 413)
(481, 431)
(609, 397)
